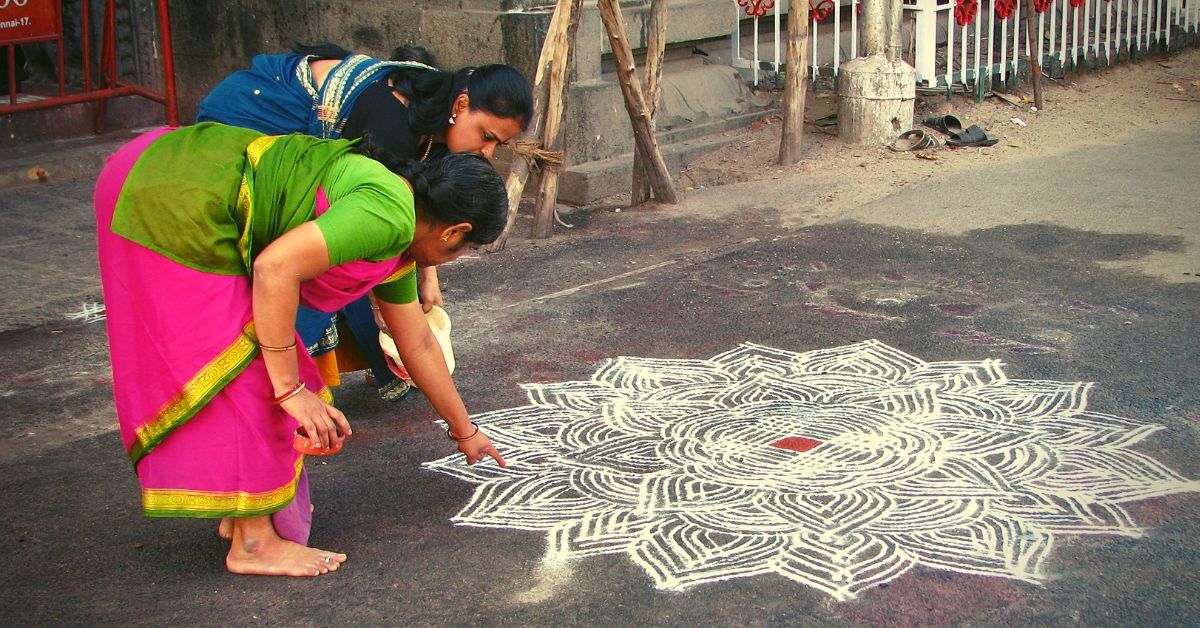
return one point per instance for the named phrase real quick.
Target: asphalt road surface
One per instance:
(1033, 499)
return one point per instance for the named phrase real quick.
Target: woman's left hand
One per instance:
(322, 423)
(429, 288)
(478, 448)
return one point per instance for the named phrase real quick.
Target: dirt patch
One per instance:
(1092, 107)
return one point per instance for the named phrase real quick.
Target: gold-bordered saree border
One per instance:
(244, 208)
(164, 502)
(198, 391)
(195, 393)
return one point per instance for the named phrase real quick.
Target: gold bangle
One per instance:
(270, 348)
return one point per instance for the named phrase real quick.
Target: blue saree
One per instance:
(276, 95)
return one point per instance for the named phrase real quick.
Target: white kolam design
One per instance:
(840, 469)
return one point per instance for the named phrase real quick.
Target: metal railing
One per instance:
(961, 42)
(975, 44)
(98, 84)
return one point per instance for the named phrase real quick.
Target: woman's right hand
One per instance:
(324, 424)
(479, 447)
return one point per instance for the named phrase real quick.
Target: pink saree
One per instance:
(192, 393)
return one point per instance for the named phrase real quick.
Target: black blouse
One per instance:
(376, 112)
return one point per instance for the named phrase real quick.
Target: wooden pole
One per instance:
(656, 44)
(1035, 64)
(795, 87)
(562, 47)
(518, 173)
(635, 102)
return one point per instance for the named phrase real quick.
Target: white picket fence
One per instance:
(952, 46)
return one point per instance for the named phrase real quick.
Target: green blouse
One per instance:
(370, 217)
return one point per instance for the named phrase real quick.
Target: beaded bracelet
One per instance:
(291, 392)
(270, 348)
(467, 437)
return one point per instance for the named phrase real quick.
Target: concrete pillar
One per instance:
(876, 93)
(875, 100)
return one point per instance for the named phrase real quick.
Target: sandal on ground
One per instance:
(915, 139)
(394, 390)
(973, 136)
(948, 124)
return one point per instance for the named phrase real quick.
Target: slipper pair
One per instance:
(973, 135)
(948, 124)
(916, 139)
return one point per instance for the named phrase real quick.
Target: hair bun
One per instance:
(414, 171)
(420, 185)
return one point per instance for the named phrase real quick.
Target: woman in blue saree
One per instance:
(407, 108)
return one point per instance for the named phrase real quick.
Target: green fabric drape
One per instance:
(185, 205)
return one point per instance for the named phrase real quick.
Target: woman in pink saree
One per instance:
(209, 238)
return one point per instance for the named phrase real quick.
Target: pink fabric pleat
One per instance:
(347, 282)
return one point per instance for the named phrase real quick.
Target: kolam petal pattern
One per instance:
(840, 469)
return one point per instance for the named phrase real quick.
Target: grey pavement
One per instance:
(1070, 287)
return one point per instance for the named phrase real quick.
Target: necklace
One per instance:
(428, 147)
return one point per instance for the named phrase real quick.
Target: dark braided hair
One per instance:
(496, 89)
(459, 187)
(420, 54)
(429, 97)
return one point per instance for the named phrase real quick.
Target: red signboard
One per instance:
(25, 20)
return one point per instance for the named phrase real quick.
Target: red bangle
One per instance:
(462, 438)
(288, 394)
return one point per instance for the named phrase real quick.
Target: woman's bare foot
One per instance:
(257, 549)
(225, 528)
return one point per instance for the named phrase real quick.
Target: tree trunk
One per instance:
(874, 27)
(795, 87)
(894, 18)
(1035, 64)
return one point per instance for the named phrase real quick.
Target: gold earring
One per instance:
(446, 238)
(452, 117)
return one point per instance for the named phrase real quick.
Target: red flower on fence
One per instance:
(1076, 3)
(1041, 6)
(756, 8)
(1005, 8)
(821, 10)
(965, 10)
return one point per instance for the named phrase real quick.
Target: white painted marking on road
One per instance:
(840, 468)
(710, 254)
(590, 284)
(90, 313)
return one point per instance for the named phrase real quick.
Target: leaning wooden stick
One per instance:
(518, 174)
(563, 48)
(656, 45)
(795, 88)
(635, 102)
